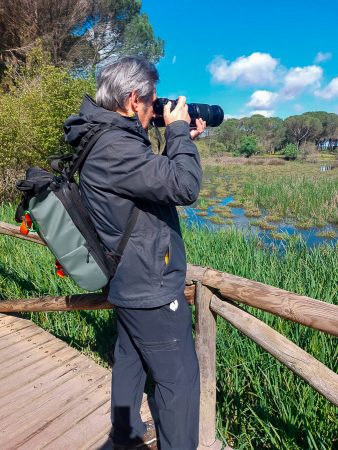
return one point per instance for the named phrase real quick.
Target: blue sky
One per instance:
(278, 58)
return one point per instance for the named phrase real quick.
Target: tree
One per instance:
(77, 32)
(139, 39)
(24, 21)
(248, 146)
(302, 128)
(270, 131)
(229, 134)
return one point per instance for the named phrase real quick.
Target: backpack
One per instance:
(52, 206)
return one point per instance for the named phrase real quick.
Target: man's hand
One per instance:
(178, 113)
(200, 127)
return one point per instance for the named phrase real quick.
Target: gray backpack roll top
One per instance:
(52, 206)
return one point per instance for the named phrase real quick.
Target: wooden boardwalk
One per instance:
(51, 396)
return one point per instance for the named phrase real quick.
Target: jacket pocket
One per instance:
(167, 259)
(163, 246)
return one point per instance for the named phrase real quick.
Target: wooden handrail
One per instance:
(320, 377)
(307, 311)
(76, 302)
(304, 310)
(13, 230)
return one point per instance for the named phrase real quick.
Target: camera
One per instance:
(213, 115)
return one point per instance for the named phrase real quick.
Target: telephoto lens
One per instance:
(213, 115)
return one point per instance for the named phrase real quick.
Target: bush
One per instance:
(248, 146)
(39, 99)
(217, 149)
(290, 152)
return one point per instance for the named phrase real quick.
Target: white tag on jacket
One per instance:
(173, 305)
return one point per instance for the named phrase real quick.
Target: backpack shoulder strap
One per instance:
(68, 164)
(82, 151)
(129, 228)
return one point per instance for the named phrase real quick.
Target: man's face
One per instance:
(146, 112)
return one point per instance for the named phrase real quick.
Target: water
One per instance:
(243, 223)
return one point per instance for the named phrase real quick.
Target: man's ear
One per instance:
(134, 101)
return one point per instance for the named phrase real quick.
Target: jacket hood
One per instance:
(76, 126)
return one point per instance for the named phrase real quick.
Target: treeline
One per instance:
(257, 133)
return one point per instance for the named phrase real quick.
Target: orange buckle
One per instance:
(26, 224)
(59, 270)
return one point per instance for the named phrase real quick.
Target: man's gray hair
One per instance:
(119, 79)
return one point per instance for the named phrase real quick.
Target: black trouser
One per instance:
(159, 339)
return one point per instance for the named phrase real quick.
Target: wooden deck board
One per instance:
(51, 396)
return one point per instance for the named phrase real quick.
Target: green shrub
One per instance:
(248, 146)
(290, 151)
(39, 99)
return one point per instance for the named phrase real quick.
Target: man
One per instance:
(153, 317)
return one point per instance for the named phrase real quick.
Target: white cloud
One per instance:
(299, 78)
(255, 69)
(330, 91)
(321, 57)
(262, 112)
(263, 100)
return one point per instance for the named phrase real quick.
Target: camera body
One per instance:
(212, 114)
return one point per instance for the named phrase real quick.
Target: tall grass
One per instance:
(296, 190)
(260, 404)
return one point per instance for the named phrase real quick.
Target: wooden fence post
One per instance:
(205, 341)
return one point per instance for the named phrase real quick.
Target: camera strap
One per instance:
(158, 137)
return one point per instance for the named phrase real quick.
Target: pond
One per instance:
(216, 212)
(281, 231)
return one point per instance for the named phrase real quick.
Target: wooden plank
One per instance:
(34, 354)
(205, 342)
(14, 401)
(31, 373)
(20, 348)
(320, 377)
(18, 336)
(8, 318)
(97, 422)
(298, 308)
(4, 332)
(52, 402)
(59, 413)
(9, 324)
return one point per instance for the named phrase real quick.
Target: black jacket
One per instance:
(122, 171)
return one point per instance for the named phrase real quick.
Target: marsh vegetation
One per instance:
(294, 199)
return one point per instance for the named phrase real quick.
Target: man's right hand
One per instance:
(178, 113)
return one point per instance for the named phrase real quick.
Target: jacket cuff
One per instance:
(179, 127)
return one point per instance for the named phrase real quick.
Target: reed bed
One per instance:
(296, 190)
(260, 404)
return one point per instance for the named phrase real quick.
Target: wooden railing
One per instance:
(215, 293)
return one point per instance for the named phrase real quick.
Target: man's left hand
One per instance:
(200, 127)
